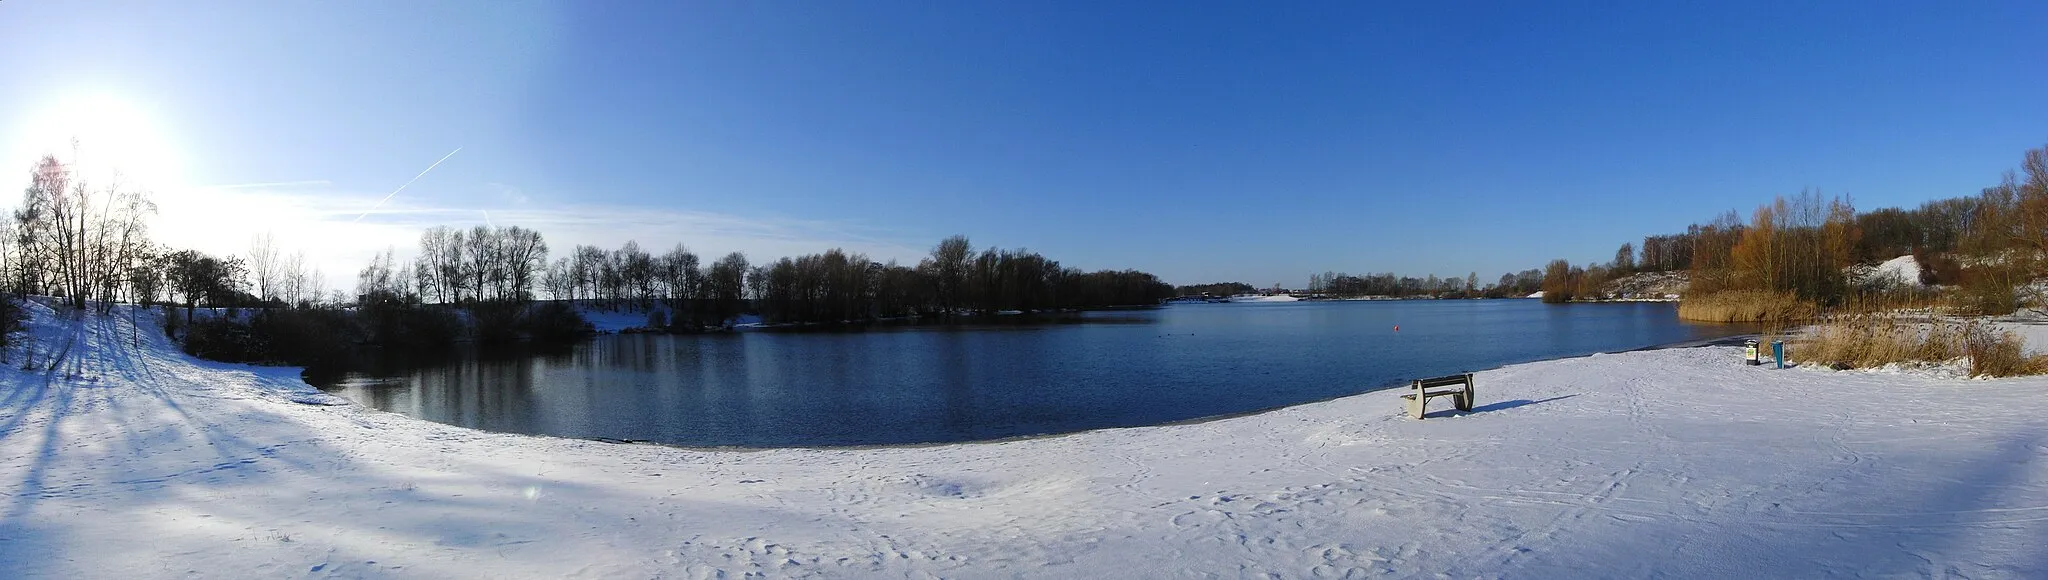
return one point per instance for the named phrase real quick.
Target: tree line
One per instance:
(84, 242)
(1561, 281)
(1391, 285)
(696, 294)
(1795, 250)
(76, 240)
(1388, 284)
(486, 265)
(1217, 289)
(89, 244)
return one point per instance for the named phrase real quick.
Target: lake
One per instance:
(946, 383)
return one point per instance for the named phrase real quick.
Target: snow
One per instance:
(2031, 326)
(133, 460)
(607, 320)
(613, 320)
(1896, 272)
(1536, 294)
(1648, 286)
(1257, 298)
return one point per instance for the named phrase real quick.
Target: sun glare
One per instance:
(103, 137)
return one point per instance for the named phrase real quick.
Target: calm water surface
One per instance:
(961, 383)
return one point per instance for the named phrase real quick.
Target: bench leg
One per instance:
(1417, 405)
(1465, 399)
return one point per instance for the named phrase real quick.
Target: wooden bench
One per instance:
(1457, 387)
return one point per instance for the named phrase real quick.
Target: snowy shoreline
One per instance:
(138, 461)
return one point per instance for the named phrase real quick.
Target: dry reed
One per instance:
(1872, 340)
(1753, 306)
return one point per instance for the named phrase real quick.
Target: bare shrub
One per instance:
(1938, 269)
(2000, 354)
(1986, 290)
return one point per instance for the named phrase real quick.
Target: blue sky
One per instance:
(1200, 141)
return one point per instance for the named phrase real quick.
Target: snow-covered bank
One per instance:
(631, 318)
(1263, 298)
(1648, 286)
(1900, 272)
(129, 461)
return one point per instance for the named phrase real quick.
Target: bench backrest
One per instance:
(1445, 381)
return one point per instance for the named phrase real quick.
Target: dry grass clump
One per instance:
(1754, 306)
(1892, 302)
(2001, 354)
(1874, 340)
(1864, 341)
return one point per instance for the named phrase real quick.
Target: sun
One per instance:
(104, 137)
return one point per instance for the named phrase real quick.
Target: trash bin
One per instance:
(1778, 352)
(1749, 354)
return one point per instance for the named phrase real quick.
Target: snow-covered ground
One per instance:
(1648, 286)
(612, 320)
(1255, 298)
(1900, 272)
(128, 459)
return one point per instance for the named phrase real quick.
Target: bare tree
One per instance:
(1625, 260)
(589, 270)
(440, 264)
(522, 254)
(76, 241)
(727, 286)
(677, 274)
(1559, 280)
(124, 241)
(560, 280)
(198, 277)
(480, 247)
(948, 267)
(316, 289)
(292, 280)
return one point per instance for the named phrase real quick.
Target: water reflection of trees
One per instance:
(493, 393)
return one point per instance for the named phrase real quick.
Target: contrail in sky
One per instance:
(394, 193)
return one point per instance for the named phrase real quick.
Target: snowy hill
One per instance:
(121, 458)
(1648, 286)
(1900, 272)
